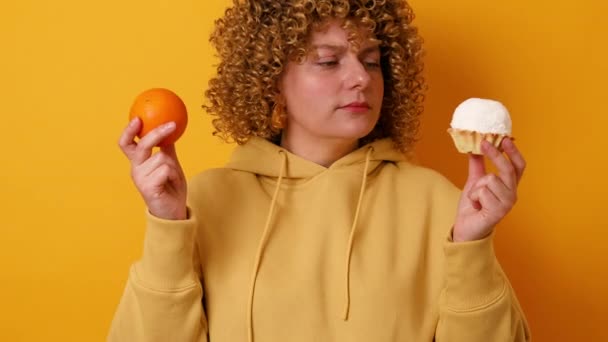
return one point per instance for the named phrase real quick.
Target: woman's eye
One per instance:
(327, 63)
(372, 64)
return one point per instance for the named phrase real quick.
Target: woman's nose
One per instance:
(357, 76)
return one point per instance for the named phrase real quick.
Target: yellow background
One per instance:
(72, 223)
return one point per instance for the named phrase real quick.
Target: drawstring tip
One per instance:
(345, 314)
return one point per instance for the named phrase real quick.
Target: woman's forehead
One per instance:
(336, 33)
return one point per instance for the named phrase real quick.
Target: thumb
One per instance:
(477, 169)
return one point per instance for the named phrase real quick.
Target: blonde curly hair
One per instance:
(256, 38)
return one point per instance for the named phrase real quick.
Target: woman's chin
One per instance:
(358, 130)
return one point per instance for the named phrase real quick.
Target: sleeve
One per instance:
(478, 304)
(162, 300)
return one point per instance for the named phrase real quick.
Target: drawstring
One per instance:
(261, 246)
(266, 231)
(352, 235)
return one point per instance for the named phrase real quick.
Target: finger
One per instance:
(477, 169)
(474, 200)
(155, 161)
(473, 194)
(504, 195)
(170, 151)
(150, 140)
(127, 139)
(473, 197)
(479, 184)
(489, 202)
(506, 170)
(516, 158)
(164, 176)
(486, 198)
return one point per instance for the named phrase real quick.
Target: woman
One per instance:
(319, 228)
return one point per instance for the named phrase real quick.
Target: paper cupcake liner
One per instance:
(470, 141)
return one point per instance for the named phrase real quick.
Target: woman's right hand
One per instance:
(158, 176)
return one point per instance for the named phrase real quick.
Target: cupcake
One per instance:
(477, 119)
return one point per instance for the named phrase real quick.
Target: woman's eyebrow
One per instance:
(374, 47)
(334, 48)
(339, 49)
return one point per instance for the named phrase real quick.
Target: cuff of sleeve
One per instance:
(167, 263)
(473, 276)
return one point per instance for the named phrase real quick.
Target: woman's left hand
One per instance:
(488, 197)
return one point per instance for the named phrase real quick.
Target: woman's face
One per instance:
(336, 92)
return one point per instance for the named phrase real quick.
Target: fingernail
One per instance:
(133, 121)
(168, 125)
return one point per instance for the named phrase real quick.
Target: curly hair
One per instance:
(256, 38)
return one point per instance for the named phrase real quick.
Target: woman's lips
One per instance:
(356, 107)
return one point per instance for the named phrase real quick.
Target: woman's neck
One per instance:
(322, 151)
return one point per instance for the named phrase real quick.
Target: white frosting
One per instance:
(482, 115)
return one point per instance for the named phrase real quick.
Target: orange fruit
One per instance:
(157, 106)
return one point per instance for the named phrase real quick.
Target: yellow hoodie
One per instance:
(277, 248)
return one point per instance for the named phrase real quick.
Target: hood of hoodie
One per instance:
(264, 158)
